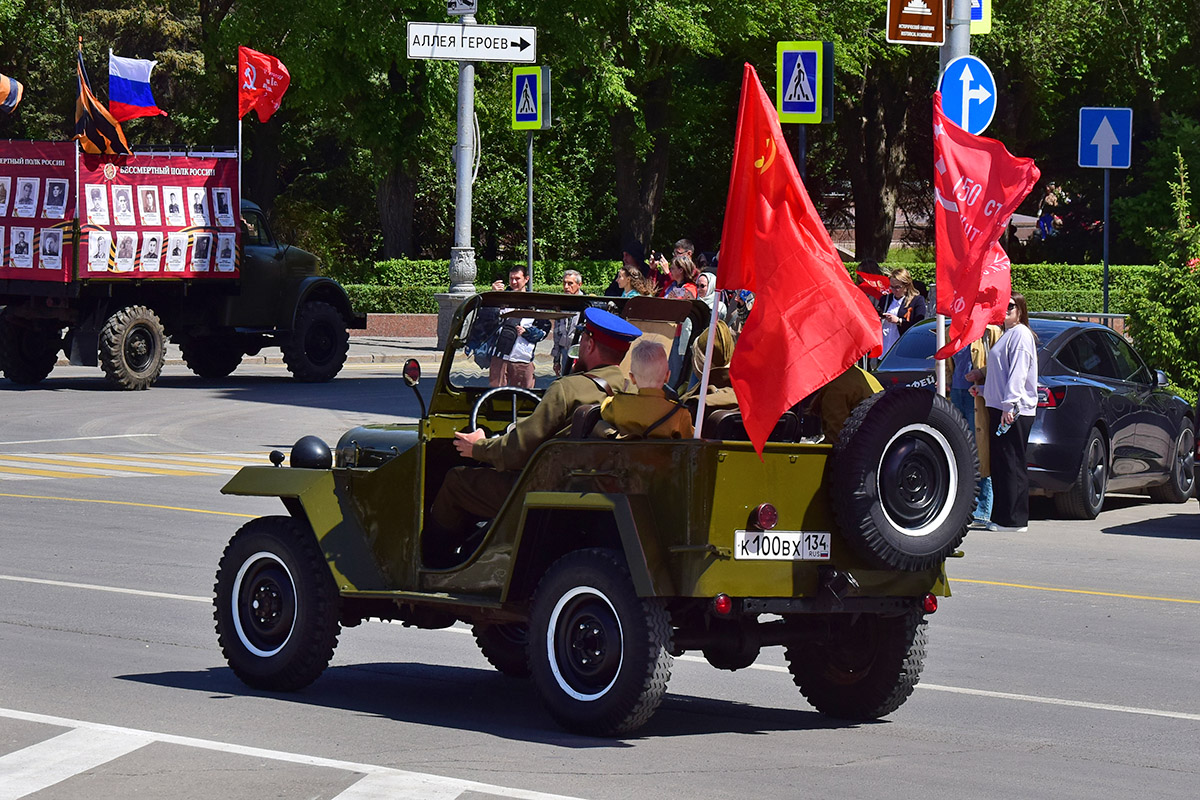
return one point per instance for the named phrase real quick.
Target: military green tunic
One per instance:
(551, 418)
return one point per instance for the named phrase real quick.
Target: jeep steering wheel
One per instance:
(516, 391)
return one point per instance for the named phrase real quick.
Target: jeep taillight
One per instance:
(765, 517)
(722, 604)
(929, 604)
(1051, 397)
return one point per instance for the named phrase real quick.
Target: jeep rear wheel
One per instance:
(903, 478)
(132, 348)
(276, 606)
(865, 670)
(319, 343)
(506, 647)
(599, 654)
(28, 349)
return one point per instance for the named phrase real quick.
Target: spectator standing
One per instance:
(707, 293)
(512, 359)
(633, 257)
(970, 358)
(683, 279)
(1010, 393)
(632, 283)
(564, 329)
(901, 308)
(649, 413)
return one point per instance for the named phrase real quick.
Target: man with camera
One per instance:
(512, 354)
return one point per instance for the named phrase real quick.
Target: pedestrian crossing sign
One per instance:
(803, 81)
(530, 98)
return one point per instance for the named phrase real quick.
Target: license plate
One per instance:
(781, 545)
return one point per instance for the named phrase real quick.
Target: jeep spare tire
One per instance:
(903, 478)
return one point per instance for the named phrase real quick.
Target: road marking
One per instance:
(55, 760)
(116, 464)
(83, 438)
(1058, 701)
(32, 466)
(1078, 591)
(399, 783)
(128, 503)
(115, 589)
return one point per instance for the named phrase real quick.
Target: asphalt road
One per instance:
(1063, 666)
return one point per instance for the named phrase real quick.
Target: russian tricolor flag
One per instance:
(129, 88)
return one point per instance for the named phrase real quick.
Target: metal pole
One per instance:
(462, 254)
(1106, 171)
(529, 206)
(802, 151)
(958, 43)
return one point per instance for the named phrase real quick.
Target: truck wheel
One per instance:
(1183, 476)
(132, 347)
(28, 350)
(506, 647)
(211, 357)
(599, 654)
(1085, 498)
(276, 606)
(865, 670)
(903, 479)
(317, 349)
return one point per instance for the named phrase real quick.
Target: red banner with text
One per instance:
(37, 210)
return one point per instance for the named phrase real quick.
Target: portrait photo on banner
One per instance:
(99, 248)
(198, 205)
(55, 206)
(21, 248)
(151, 251)
(5, 193)
(25, 205)
(173, 202)
(201, 252)
(123, 205)
(148, 205)
(96, 204)
(176, 251)
(223, 202)
(51, 256)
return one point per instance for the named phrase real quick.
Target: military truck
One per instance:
(108, 283)
(612, 556)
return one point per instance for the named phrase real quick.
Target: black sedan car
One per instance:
(1104, 422)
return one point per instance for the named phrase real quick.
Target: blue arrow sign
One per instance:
(1105, 137)
(969, 94)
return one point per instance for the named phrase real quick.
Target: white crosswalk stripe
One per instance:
(52, 466)
(46, 763)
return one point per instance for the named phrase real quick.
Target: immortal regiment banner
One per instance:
(810, 322)
(151, 216)
(37, 210)
(977, 186)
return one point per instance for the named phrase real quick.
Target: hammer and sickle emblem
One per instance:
(764, 162)
(248, 78)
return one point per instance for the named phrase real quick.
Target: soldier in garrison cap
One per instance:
(471, 494)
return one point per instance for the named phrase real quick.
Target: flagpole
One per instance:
(708, 351)
(239, 159)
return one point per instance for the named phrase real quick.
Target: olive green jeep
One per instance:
(611, 556)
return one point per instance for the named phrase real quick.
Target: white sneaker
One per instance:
(979, 525)
(992, 526)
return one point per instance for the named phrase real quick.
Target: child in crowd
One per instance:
(648, 413)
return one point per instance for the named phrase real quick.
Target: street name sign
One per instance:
(916, 22)
(1105, 137)
(451, 41)
(531, 98)
(804, 81)
(968, 94)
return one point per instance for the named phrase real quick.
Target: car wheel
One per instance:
(1085, 498)
(1183, 475)
(319, 343)
(599, 654)
(28, 350)
(903, 479)
(132, 348)
(276, 606)
(867, 667)
(506, 647)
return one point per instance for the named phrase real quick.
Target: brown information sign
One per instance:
(916, 22)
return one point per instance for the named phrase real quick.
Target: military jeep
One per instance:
(612, 556)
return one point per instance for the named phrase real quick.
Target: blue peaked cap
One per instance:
(606, 324)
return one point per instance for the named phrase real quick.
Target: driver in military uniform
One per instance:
(471, 494)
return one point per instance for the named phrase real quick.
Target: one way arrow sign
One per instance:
(449, 41)
(1105, 137)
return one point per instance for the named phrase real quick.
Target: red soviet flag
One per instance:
(262, 80)
(810, 322)
(875, 286)
(977, 185)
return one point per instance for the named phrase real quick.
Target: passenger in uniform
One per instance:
(649, 413)
(836, 401)
(471, 494)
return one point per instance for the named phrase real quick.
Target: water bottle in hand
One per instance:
(1003, 427)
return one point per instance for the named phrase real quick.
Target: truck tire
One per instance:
(28, 350)
(902, 479)
(319, 343)
(506, 647)
(1085, 498)
(276, 605)
(599, 655)
(132, 348)
(866, 669)
(1183, 476)
(211, 357)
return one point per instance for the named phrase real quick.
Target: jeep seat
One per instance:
(726, 424)
(584, 420)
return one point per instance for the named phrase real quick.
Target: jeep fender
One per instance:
(633, 520)
(318, 288)
(310, 496)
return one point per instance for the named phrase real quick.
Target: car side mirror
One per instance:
(1160, 378)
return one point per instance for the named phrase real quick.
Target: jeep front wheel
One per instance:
(867, 667)
(319, 343)
(132, 348)
(276, 606)
(599, 654)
